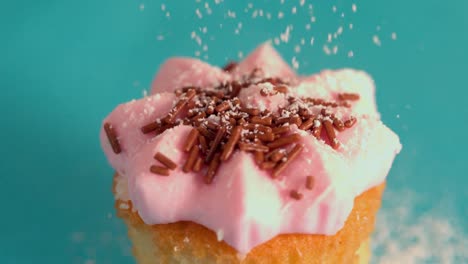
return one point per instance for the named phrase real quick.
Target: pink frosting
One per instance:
(244, 205)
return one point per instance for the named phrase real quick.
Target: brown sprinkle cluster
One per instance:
(167, 163)
(222, 124)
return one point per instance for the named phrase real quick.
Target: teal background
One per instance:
(64, 65)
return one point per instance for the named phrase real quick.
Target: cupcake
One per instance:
(250, 163)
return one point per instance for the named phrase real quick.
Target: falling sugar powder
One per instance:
(339, 31)
(354, 8)
(394, 36)
(142, 7)
(297, 49)
(295, 63)
(376, 40)
(276, 41)
(208, 8)
(231, 14)
(350, 54)
(280, 15)
(335, 49)
(402, 236)
(199, 14)
(255, 14)
(326, 49)
(285, 36)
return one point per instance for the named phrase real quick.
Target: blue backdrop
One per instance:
(64, 65)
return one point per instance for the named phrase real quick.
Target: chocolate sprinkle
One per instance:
(350, 122)
(203, 144)
(191, 140)
(288, 159)
(284, 141)
(229, 147)
(296, 195)
(331, 134)
(212, 169)
(252, 147)
(112, 137)
(267, 165)
(150, 127)
(281, 130)
(215, 144)
(261, 120)
(309, 182)
(194, 154)
(198, 165)
(230, 66)
(348, 96)
(163, 171)
(259, 157)
(165, 161)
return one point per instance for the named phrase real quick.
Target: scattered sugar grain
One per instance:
(295, 63)
(326, 49)
(354, 8)
(77, 237)
(297, 49)
(199, 14)
(394, 36)
(231, 14)
(220, 234)
(376, 40)
(335, 49)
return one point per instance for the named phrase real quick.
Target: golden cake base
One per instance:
(188, 242)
